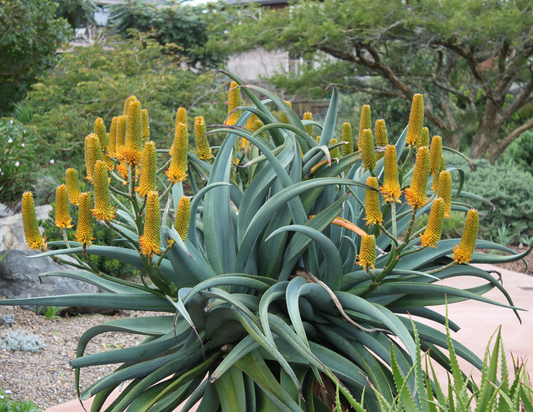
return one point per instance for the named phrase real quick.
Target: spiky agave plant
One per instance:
(293, 277)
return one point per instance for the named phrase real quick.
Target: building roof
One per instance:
(261, 2)
(113, 2)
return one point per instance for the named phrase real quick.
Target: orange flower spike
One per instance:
(113, 137)
(183, 214)
(33, 237)
(84, 234)
(366, 123)
(131, 151)
(391, 186)
(234, 101)
(309, 128)
(99, 130)
(149, 241)
(127, 104)
(203, 150)
(121, 134)
(283, 117)
(424, 138)
(367, 253)
(416, 120)
(73, 186)
(63, 219)
(433, 230)
(367, 150)
(178, 165)
(102, 201)
(372, 204)
(148, 170)
(416, 194)
(347, 136)
(445, 191)
(463, 253)
(93, 153)
(382, 137)
(146, 125)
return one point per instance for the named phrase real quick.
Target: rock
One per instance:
(5, 211)
(12, 231)
(5, 310)
(19, 278)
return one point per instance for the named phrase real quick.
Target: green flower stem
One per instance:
(165, 166)
(355, 196)
(122, 206)
(117, 177)
(82, 264)
(389, 235)
(449, 265)
(406, 161)
(418, 249)
(408, 234)
(66, 262)
(118, 192)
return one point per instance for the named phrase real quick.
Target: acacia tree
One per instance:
(472, 59)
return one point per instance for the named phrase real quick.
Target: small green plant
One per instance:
(527, 240)
(51, 312)
(8, 405)
(15, 341)
(23, 112)
(504, 238)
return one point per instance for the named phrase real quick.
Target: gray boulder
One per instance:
(12, 231)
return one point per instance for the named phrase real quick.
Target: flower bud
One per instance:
(73, 186)
(445, 191)
(424, 138)
(202, 145)
(121, 133)
(149, 241)
(127, 104)
(391, 186)
(178, 165)
(283, 117)
(367, 253)
(463, 253)
(382, 137)
(416, 120)
(102, 201)
(435, 155)
(251, 120)
(347, 136)
(309, 128)
(234, 101)
(183, 214)
(93, 152)
(416, 194)
(146, 125)
(148, 169)
(366, 123)
(34, 240)
(131, 151)
(335, 153)
(258, 124)
(113, 137)
(63, 219)
(84, 233)
(433, 230)
(372, 204)
(99, 130)
(367, 150)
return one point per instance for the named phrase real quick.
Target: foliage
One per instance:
(18, 155)
(8, 405)
(520, 152)
(178, 24)
(30, 34)
(277, 294)
(51, 312)
(15, 340)
(509, 190)
(478, 80)
(78, 13)
(94, 81)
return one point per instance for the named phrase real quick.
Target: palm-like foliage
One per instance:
(271, 309)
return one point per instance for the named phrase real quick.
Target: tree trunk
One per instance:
(486, 132)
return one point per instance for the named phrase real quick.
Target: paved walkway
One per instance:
(477, 320)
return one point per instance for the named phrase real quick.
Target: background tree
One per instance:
(179, 24)
(78, 13)
(470, 58)
(30, 34)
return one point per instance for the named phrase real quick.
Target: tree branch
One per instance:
(497, 149)
(525, 96)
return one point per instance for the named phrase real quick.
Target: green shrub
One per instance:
(8, 405)
(520, 152)
(508, 188)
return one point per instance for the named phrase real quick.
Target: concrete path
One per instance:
(477, 320)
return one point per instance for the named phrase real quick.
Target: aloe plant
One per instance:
(290, 279)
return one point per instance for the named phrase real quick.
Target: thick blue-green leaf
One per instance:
(230, 388)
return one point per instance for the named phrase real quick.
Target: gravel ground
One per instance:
(45, 377)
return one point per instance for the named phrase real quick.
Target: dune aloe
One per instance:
(273, 292)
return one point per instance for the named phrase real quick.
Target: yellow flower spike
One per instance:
(34, 240)
(121, 134)
(424, 138)
(335, 153)
(366, 123)
(416, 120)
(102, 201)
(251, 120)
(463, 253)
(367, 150)
(181, 117)
(433, 230)
(99, 130)
(146, 125)
(283, 117)
(309, 128)
(382, 137)
(416, 194)
(93, 153)
(113, 137)
(183, 214)
(127, 104)
(391, 186)
(63, 219)
(73, 186)
(318, 139)
(435, 155)
(203, 150)
(372, 204)
(149, 241)
(258, 124)
(243, 143)
(367, 253)
(131, 151)
(347, 136)
(178, 165)
(84, 234)
(445, 191)
(234, 101)
(148, 169)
